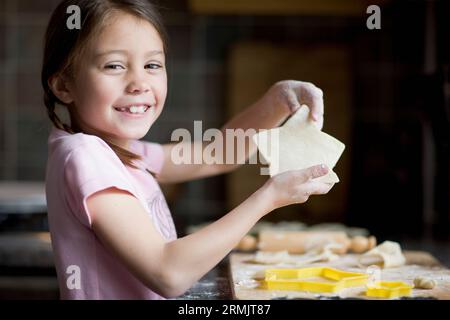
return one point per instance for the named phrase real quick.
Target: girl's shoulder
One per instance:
(64, 143)
(82, 154)
(86, 157)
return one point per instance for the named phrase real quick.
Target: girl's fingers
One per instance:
(312, 96)
(316, 188)
(314, 172)
(292, 101)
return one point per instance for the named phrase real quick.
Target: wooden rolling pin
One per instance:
(302, 241)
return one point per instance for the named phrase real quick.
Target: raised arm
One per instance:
(171, 268)
(271, 110)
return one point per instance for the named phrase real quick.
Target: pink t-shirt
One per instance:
(79, 165)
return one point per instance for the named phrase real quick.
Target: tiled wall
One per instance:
(23, 122)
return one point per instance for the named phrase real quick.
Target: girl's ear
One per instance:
(58, 85)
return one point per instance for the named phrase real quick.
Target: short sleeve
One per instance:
(152, 153)
(89, 169)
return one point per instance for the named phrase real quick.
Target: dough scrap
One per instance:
(278, 257)
(299, 144)
(424, 283)
(322, 254)
(319, 254)
(387, 255)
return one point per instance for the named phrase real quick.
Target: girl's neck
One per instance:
(125, 144)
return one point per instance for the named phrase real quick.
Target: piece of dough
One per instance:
(322, 254)
(278, 257)
(260, 274)
(387, 255)
(299, 144)
(424, 283)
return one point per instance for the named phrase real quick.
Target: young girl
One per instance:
(112, 232)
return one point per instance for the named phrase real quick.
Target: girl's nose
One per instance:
(138, 85)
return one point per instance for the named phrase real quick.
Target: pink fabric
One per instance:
(78, 166)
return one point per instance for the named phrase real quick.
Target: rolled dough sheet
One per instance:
(299, 144)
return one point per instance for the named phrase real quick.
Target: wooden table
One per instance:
(417, 263)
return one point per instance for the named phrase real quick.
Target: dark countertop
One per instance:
(215, 285)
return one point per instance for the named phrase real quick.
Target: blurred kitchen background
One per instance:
(387, 97)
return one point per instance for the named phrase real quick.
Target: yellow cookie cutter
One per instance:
(297, 279)
(388, 289)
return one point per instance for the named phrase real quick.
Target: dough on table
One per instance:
(325, 253)
(322, 254)
(278, 257)
(387, 255)
(424, 283)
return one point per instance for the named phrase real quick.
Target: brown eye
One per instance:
(153, 66)
(114, 66)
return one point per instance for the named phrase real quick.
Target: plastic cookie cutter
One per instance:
(314, 279)
(388, 289)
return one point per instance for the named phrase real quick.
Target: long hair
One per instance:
(63, 47)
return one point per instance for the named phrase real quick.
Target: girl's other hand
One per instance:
(291, 94)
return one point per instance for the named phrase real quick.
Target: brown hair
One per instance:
(63, 46)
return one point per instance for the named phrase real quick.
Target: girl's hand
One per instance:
(296, 186)
(290, 94)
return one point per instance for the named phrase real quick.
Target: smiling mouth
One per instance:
(134, 109)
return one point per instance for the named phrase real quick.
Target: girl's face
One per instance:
(120, 84)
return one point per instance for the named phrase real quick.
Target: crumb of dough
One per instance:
(424, 283)
(259, 275)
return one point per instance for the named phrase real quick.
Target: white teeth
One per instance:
(134, 109)
(137, 109)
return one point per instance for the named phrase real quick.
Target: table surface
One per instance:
(215, 285)
(418, 263)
